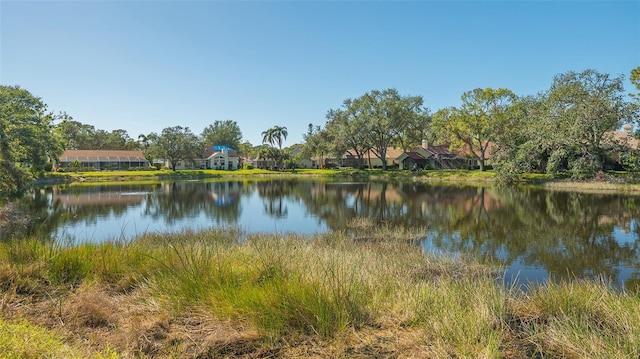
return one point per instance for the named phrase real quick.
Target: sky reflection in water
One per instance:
(536, 234)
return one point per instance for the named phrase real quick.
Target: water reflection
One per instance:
(533, 232)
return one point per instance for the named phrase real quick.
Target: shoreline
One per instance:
(600, 185)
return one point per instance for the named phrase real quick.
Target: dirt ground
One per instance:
(135, 325)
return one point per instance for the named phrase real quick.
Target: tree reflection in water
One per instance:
(567, 234)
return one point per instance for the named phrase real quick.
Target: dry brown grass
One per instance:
(136, 325)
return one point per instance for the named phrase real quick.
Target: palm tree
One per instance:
(144, 139)
(280, 134)
(267, 136)
(276, 134)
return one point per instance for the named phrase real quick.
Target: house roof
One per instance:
(392, 152)
(414, 155)
(444, 150)
(439, 150)
(211, 150)
(220, 148)
(624, 138)
(102, 156)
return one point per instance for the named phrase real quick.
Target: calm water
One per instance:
(536, 234)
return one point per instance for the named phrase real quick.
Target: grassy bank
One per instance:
(361, 293)
(141, 176)
(159, 175)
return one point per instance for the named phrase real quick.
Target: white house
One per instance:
(221, 158)
(213, 157)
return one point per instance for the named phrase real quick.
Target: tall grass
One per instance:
(580, 320)
(333, 285)
(283, 285)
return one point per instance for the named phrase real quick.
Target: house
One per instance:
(434, 157)
(296, 154)
(103, 159)
(618, 144)
(213, 157)
(220, 158)
(368, 160)
(411, 160)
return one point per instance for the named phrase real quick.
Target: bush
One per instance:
(48, 166)
(247, 166)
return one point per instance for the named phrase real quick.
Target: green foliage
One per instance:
(631, 162)
(567, 128)
(275, 135)
(384, 112)
(587, 106)
(247, 150)
(175, 144)
(374, 121)
(635, 77)
(222, 133)
(75, 164)
(22, 340)
(75, 135)
(26, 139)
(318, 143)
(479, 121)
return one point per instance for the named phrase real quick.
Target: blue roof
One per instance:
(220, 148)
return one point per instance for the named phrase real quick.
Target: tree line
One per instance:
(564, 128)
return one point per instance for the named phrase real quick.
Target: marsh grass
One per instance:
(369, 291)
(580, 320)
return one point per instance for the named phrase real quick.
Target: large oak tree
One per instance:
(175, 144)
(476, 123)
(374, 121)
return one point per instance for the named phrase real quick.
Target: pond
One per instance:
(535, 234)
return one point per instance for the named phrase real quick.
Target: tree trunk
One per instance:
(482, 156)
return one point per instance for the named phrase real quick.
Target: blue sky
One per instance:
(142, 66)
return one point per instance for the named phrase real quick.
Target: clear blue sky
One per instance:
(145, 65)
